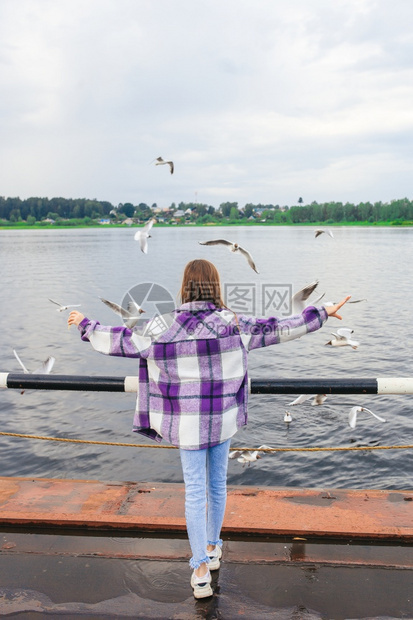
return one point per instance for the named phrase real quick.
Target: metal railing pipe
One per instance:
(384, 385)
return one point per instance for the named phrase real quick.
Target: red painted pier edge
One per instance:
(155, 507)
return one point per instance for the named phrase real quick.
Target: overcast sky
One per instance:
(254, 100)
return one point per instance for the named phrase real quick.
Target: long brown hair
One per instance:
(200, 282)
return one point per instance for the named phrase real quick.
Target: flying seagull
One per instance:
(318, 399)
(342, 337)
(130, 315)
(44, 369)
(143, 235)
(161, 162)
(320, 231)
(247, 456)
(334, 303)
(61, 308)
(233, 247)
(299, 300)
(352, 418)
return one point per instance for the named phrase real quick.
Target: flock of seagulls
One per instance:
(246, 457)
(319, 399)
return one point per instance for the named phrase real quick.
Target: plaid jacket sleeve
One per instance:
(256, 333)
(118, 341)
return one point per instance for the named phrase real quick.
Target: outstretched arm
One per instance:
(263, 332)
(119, 341)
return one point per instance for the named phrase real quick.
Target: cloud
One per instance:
(255, 102)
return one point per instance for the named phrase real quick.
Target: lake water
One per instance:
(79, 266)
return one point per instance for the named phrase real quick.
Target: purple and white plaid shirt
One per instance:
(193, 381)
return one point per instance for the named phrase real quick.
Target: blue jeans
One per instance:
(205, 477)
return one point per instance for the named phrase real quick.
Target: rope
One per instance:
(168, 447)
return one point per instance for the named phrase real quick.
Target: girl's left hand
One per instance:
(75, 318)
(332, 310)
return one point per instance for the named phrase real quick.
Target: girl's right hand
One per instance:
(75, 318)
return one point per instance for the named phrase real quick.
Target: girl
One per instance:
(193, 391)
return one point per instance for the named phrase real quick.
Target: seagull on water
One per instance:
(247, 456)
(61, 307)
(130, 315)
(320, 231)
(352, 417)
(143, 235)
(161, 162)
(44, 369)
(342, 338)
(288, 417)
(299, 300)
(233, 247)
(318, 399)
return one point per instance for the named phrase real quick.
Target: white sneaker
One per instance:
(201, 585)
(214, 558)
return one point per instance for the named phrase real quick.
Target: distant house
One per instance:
(260, 210)
(128, 221)
(49, 220)
(179, 213)
(104, 221)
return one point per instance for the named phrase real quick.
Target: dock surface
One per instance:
(155, 507)
(97, 550)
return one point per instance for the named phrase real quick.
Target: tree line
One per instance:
(82, 210)
(335, 212)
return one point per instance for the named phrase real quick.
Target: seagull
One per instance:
(44, 369)
(288, 417)
(299, 300)
(352, 418)
(334, 303)
(143, 235)
(130, 316)
(342, 338)
(61, 308)
(320, 231)
(161, 162)
(233, 247)
(247, 456)
(318, 399)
